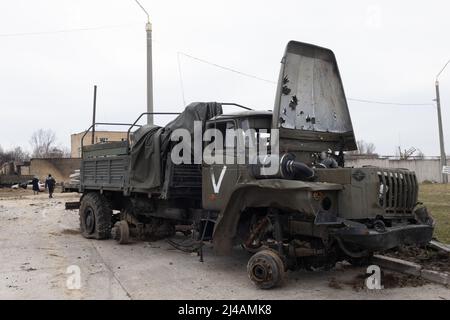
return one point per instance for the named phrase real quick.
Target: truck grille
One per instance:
(398, 191)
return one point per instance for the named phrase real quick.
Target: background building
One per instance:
(59, 168)
(100, 137)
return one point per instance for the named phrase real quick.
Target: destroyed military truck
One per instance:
(310, 213)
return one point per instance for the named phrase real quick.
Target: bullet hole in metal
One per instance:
(302, 113)
(334, 116)
(285, 80)
(294, 102)
(282, 120)
(286, 90)
(284, 110)
(311, 119)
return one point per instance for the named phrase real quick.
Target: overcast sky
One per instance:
(386, 50)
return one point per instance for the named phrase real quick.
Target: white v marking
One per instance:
(216, 186)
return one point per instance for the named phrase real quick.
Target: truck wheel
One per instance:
(95, 216)
(121, 232)
(266, 269)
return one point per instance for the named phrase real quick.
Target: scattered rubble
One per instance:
(428, 258)
(389, 280)
(429, 263)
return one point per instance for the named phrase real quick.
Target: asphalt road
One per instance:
(41, 253)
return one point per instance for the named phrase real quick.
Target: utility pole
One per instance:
(148, 30)
(441, 130)
(94, 107)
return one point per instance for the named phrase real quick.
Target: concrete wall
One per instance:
(425, 169)
(24, 170)
(59, 168)
(15, 167)
(12, 179)
(7, 168)
(99, 137)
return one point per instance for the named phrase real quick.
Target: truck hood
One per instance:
(310, 106)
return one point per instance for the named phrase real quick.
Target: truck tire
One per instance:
(266, 269)
(95, 216)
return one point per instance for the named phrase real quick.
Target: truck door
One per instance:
(219, 177)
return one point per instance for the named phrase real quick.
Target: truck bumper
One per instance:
(393, 237)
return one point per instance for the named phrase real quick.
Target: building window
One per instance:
(103, 140)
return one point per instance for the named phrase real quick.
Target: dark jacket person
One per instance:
(50, 185)
(35, 184)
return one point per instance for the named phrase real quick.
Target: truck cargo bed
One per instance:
(108, 173)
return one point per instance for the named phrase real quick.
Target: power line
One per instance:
(22, 34)
(4, 35)
(274, 82)
(227, 68)
(442, 70)
(390, 103)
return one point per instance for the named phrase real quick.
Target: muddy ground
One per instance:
(40, 243)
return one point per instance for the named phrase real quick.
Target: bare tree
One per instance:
(43, 143)
(5, 156)
(18, 154)
(364, 148)
(370, 148)
(59, 152)
(420, 155)
(361, 147)
(15, 154)
(65, 152)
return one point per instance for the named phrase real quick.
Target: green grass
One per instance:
(436, 197)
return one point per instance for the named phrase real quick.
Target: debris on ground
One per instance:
(397, 280)
(70, 231)
(439, 246)
(389, 280)
(358, 282)
(333, 283)
(428, 258)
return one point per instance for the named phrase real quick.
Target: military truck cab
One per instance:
(338, 213)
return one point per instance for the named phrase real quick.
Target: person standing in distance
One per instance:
(35, 184)
(50, 185)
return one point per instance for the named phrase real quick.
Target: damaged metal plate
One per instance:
(310, 102)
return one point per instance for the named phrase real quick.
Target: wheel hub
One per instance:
(115, 233)
(121, 232)
(266, 269)
(261, 271)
